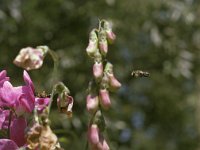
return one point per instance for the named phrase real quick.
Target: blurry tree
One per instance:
(162, 37)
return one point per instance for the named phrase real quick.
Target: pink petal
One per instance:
(28, 80)
(17, 131)
(4, 118)
(93, 134)
(41, 103)
(7, 99)
(104, 98)
(7, 144)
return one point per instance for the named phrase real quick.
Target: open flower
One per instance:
(20, 98)
(41, 103)
(31, 58)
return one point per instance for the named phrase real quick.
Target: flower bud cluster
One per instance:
(105, 82)
(103, 74)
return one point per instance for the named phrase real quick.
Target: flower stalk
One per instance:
(103, 82)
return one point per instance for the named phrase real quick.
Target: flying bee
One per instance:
(140, 73)
(42, 94)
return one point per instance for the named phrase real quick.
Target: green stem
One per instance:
(54, 56)
(51, 100)
(36, 119)
(87, 145)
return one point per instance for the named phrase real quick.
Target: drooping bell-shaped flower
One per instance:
(93, 134)
(65, 103)
(31, 58)
(92, 103)
(98, 70)
(109, 33)
(104, 98)
(93, 44)
(114, 84)
(103, 44)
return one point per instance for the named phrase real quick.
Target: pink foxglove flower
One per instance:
(41, 103)
(31, 58)
(104, 98)
(7, 144)
(92, 103)
(98, 70)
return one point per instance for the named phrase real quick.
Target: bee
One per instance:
(42, 94)
(140, 73)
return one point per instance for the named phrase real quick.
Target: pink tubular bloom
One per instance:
(92, 103)
(104, 98)
(7, 144)
(114, 84)
(30, 58)
(93, 134)
(98, 70)
(41, 103)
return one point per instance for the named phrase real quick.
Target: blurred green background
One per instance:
(160, 36)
